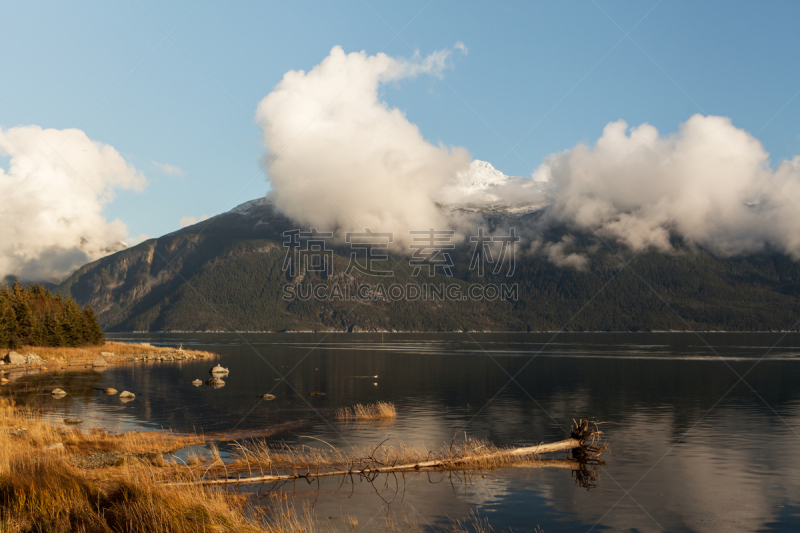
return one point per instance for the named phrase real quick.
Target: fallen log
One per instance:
(582, 442)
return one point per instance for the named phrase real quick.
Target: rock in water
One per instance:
(266, 396)
(197, 382)
(215, 383)
(316, 393)
(14, 358)
(218, 370)
(58, 392)
(73, 421)
(126, 395)
(110, 391)
(99, 362)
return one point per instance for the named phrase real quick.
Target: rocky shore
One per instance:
(111, 353)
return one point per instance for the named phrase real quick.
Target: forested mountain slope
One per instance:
(226, 273)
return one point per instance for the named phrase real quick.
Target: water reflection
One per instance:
(696, 450)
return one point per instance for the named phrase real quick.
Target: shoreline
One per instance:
(111, 353)
(504, 332)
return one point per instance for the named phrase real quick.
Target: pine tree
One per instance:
(34, 316)
(25, 322)
(94, 335)
(73, 324)
(54, 334)
(5, 334)
(8, 325)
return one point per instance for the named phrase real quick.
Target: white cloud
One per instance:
(461, 46)
(168, 169)
(710, 183)
(188, 221)
(354, 162)
(51, 218)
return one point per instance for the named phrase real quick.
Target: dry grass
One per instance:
(286, 519)
(473, 523)
(42, 490)
(47, 494)
(23, 431)
(370, 411)
(407, 523)
(120, 350)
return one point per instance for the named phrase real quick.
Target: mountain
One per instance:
(227, 273)
(483, 188)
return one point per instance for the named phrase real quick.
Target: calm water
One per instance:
(692, 447)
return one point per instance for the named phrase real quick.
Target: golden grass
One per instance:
(121, 350)
(370, 411)
(24, 431)
(42, 490)
(47, 494)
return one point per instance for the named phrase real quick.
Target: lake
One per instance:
(692, 446)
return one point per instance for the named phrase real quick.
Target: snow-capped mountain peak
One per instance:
(482, 174)
(481, 186)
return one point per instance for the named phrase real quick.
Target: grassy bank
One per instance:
(111, 352)
(46, 486)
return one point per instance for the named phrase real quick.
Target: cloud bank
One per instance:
(350, 160)
(340, 158)
(710, 183)
(51, 214)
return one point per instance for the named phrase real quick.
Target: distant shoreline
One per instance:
(171, 332)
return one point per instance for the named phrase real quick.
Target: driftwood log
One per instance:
(583, 442)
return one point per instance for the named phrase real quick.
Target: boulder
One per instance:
(99, 362)
(215, 383)
(110, 391)
(197, 382)
(218, 370)
(266, 396)
(73, 421)
(14, 358)
(59, 392)
(33, 359)
(126, 395)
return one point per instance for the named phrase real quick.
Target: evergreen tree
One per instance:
(34, 316)
(94, 335)
(73, 324)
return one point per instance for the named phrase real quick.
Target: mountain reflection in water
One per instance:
(692, 447)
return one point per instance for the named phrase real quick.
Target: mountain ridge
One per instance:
(226, 273)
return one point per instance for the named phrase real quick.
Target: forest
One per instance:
(33, 316)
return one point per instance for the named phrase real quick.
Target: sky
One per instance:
(174, 88)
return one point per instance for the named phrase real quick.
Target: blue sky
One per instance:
(539, 77)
